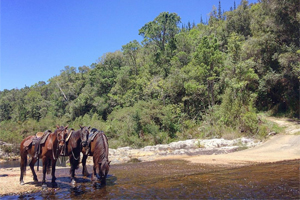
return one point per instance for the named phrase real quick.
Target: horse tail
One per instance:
(23, 163)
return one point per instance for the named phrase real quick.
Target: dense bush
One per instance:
(204, 80)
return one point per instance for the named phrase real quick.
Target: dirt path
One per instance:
(284, 146)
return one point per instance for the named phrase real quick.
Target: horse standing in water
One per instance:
(75, 142)
(50, 150)
(98, 148)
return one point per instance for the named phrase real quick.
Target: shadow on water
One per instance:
(61, 162)
(179, 179)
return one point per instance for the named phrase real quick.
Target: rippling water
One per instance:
(181, 180)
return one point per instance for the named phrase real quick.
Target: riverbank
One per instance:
(216, 152)
(190, 147)
(174, 150)
(222, 153)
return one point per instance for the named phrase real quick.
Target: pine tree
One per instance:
(219, 11)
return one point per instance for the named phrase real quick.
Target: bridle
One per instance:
(81, 137)
(58, 133)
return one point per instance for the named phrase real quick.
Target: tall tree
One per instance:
(130, 51)
(162, 30)
(219, 11)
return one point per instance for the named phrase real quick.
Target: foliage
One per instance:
(204, 80)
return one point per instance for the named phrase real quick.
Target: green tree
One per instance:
(130, 51)
(162, 30)
(209, 59)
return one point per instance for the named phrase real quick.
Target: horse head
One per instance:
(61, 134)
(84, 135)
(104, 168)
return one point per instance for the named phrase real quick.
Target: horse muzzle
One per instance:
(84, 143)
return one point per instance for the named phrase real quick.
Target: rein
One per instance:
(74, 155)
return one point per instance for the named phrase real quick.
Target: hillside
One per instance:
(206, 80)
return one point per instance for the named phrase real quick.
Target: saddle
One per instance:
(91, 138)
(37, 140)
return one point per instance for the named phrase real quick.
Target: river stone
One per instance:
(187, 147)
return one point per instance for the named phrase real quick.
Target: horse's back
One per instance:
(101, 145)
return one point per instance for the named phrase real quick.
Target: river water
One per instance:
(177, 179)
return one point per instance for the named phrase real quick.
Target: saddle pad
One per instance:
(44, 138)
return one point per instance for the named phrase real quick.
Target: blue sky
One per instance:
(40, 37)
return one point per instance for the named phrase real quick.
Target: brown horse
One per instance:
(98, 148)
(75, 142)
(50, 151)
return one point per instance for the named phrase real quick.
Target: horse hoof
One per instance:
(73, 182)
(22, 183)
(86, 174)
(54, 184)
(44, 186)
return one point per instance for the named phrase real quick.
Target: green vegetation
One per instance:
(197, 81)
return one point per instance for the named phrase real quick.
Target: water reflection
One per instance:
(61, 162)
(181, 180)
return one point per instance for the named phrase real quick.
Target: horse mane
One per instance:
(101, 145)
(59, 128)
(76, 133)
(104, 155)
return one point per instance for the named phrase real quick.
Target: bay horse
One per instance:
(98, 148)
(75, 141)
(50, 150)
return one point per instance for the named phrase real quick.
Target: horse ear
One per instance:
(80, 126)
(89, 127)
(66, 126)
(57, 126)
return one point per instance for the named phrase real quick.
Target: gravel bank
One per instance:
(188, 147)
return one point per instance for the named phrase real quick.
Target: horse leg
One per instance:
(94, 173)
(94, 169)
(72, 169)
(45, 165)
(53, 172)
(84, 168)
(31, 164)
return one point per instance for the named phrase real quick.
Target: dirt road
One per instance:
(284, 146)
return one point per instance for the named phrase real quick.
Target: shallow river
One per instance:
(178, 179)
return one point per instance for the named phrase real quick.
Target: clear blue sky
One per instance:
(40, 37)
